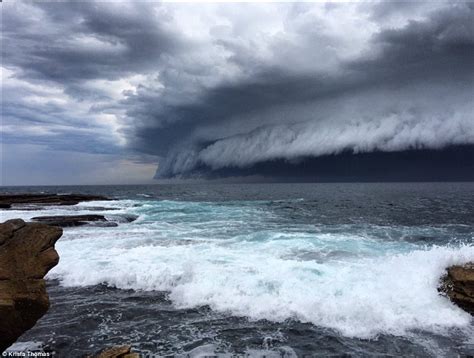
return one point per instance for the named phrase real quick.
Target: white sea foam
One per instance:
(358, 286)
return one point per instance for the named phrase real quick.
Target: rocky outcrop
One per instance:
(9, 200)
(458, 285)
(73, 220)
(26, 254)
(117, 352)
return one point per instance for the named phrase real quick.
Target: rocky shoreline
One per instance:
(27, 254)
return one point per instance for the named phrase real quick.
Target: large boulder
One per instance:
(26, 254)
(458, 285)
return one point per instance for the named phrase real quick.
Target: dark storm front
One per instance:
(274, 270)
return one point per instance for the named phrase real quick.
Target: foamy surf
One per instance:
(236, 259)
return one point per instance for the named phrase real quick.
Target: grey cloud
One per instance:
(441, 46)
(55, 49)
(77, 41)
(313, 81)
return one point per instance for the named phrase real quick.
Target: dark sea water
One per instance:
(274, 270)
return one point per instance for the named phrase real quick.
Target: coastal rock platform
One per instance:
(26, 255)
(9, 200)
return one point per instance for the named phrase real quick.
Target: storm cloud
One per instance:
(205, 89)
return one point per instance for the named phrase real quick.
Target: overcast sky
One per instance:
(109, 92)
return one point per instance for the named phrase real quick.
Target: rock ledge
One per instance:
(26, 254)
(9, 200)
(72, 220)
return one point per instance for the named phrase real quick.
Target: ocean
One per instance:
(260, 270)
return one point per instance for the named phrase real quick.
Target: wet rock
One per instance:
(97, 208)
(130, 218)
(71, 220)
(117, 352)
(124, 218)
(26, 254)
(458, 285)
(8, 200)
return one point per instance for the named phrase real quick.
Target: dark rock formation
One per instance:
(26, 254)
(124, 218)
(117, 352)
(7, 200)
(458, 285)
(72, 220)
